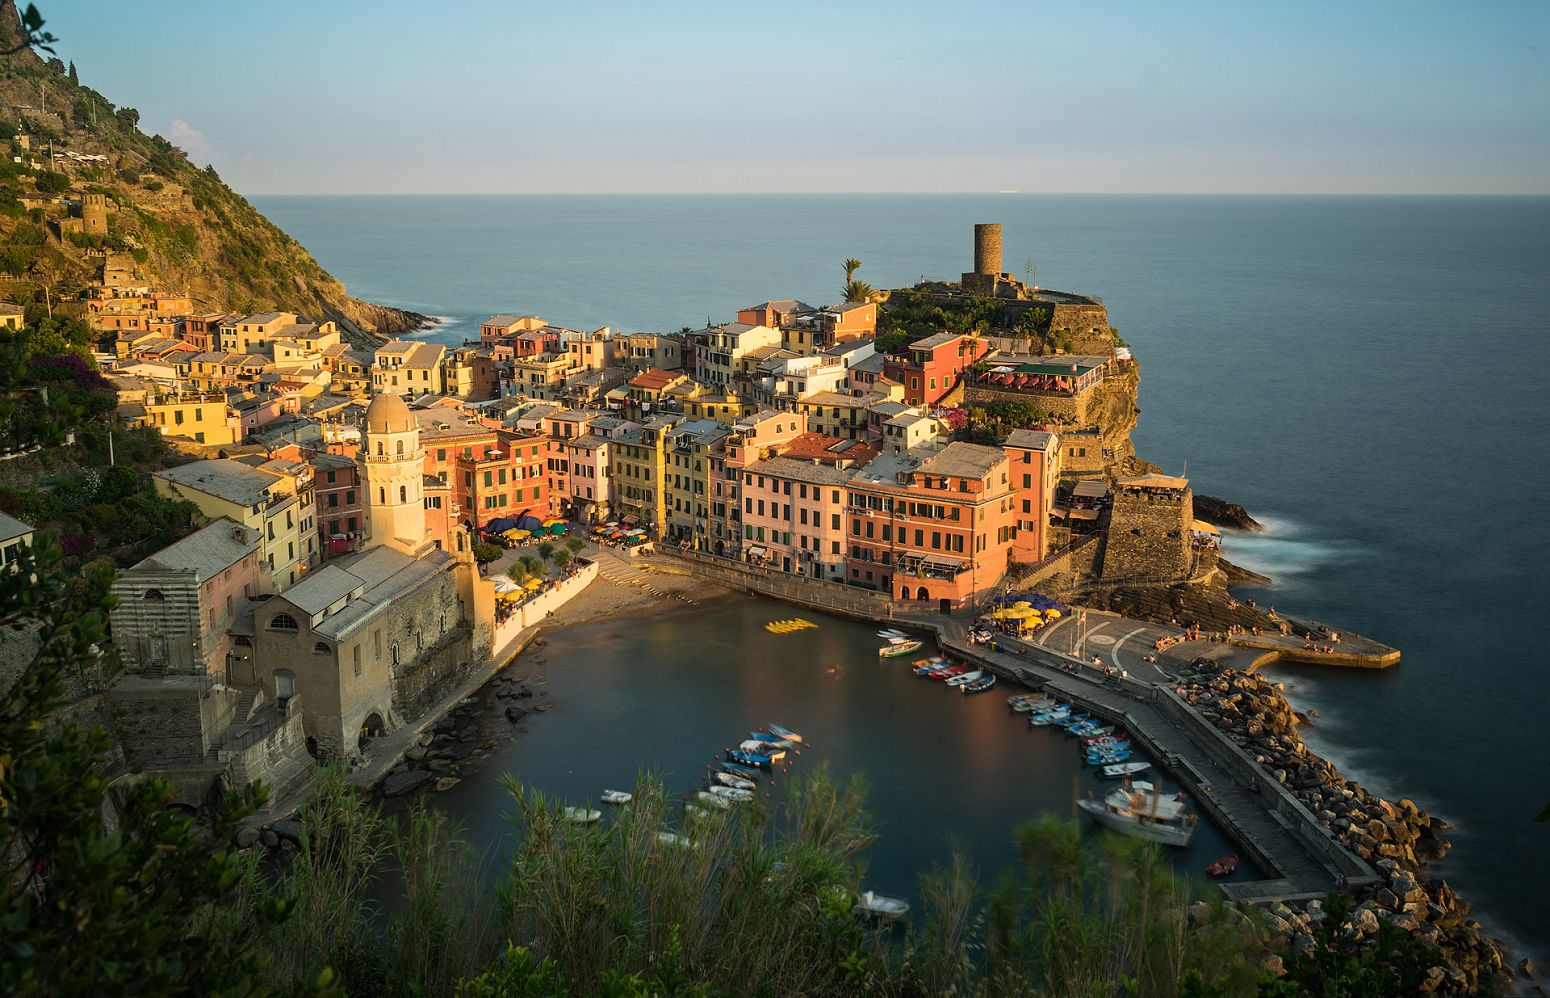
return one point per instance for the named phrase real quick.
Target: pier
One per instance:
(1299, 854)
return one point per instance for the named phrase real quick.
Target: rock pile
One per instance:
(1397, 839)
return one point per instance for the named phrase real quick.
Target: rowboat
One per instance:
(774, 753)
(580, 815)
(931, 668)
(749, 758)
(674, 839)
(786, 733)
(979, 685)
(1041, 720)
(1141, 811)
(770, 738)
(705, 797)
(746, 772)
(1109, 758)
(898, 647)
(728, 780)
(733, 794)
(617, 797)
(1119, 770)
(1223, 866)
(879, 906)
(891, 632)
(965, 677)
(1099, 734)
(949, 672)
(1073, 720)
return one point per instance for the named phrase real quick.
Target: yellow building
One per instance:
(14, 536)
(637, 464)
(400, 367)
(686, 481)
(12, 316)
(277, 505)
(204, 419)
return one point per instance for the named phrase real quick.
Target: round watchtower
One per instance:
(94, 214)
(987, 248)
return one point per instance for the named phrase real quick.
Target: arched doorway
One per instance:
(921, 593)
(372, 727)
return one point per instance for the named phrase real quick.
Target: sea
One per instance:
(1366, 375)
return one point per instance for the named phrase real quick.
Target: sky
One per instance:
(466, 96)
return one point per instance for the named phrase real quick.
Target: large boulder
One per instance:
(288, 831)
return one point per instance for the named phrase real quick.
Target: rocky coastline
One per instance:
(1399, 839)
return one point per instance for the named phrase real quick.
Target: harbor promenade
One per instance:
(1298, 854)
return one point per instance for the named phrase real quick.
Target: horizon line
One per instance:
(1159, 194)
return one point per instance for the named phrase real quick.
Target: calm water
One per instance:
(1365, 374)
(940, 766)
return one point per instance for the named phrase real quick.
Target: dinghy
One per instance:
(746, 772)
(1222, 867)
(979, 685)
(966, 677)
(878, 906)
(754, 759)
(1120, 770)
(705, 797)
(786, 733)
(728, 780)
(580, 815)
(899, 646)
(733, 794)
(617, 797)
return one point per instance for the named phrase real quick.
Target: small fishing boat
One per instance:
(705, 797)
(674, 839)
(1030, 706)
(1120, 770)
(774, 753)
(580, 815)
(734, 794)
(879, 906)
(979, 685)
(949, 672)
(931, 669)
(770, 738)
(617, 797)
(899, 647)
(966, 677)
(746, 772)
(753, 759)
(1055, 715)
(1223, 866)
(786, 733)
(1140, 810)
(1109, 758)
(1099, 734)
(728, 780)
(1073, 720)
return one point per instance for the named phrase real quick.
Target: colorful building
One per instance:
(931, 368)
(1035, 468)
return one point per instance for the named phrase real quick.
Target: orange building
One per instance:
(931, 367)
(1035, 468)
(936, 530)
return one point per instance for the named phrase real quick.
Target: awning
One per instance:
(1091, 489)
(1202, 527)
(1084, 514)
(758, 551)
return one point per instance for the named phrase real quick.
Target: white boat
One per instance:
(1123, 769)
(880, 906)
(734, 794)
(966, 677)
(617, 797)
(772, 752)
(731, 780)
(889, 632)
(899, 646)
(580, 815)
(704, 797)
(674, 839)
(786, 733)
(1141, 811)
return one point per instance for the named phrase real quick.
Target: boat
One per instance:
(734, 794)
(879, 906)
(786, 733)
(1030, 706)
(1040, 718)
(774, 753)
(674, 839)
(770, 738)
(899, 646)
(749, 758)
(1140, 810)
(1109, 758)
(1222, 867)
(979, 685)
(728, 780)
(617, 797)
(1119, 770)
(966, 677)
(1099, 734)
(1072, 720)
(746, 772)
(706, 797)
(931, 669)
(949, 672)
(891, 632)
(580, 815)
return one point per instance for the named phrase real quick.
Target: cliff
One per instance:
(162, 221)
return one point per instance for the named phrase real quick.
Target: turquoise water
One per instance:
(1365, 374)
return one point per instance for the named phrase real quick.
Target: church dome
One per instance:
(388, 414)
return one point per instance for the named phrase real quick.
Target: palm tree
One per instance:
(857, 291)
(851, 266)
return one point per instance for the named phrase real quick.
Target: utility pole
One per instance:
(110, 448)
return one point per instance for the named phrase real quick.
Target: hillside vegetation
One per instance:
(174, 225)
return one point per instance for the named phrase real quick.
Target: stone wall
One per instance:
(1063, 570)
(1149, 534)
(167, 722)
(427, 678)
(1068, 408)
(279, 760)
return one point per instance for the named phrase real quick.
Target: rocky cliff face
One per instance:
(167, 222)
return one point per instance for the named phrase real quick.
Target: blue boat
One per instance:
(749, 758)
(1108, 758)
(745, 771)
(772, 739)
(1075, 719)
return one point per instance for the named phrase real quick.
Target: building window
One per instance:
(321, 648)
(283, 622)
(357, 660)
(154, 595)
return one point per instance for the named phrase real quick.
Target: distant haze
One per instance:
(397, 97)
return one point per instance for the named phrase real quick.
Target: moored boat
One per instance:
(979, 685)
(746, 772)
(879, 906)
(770, 738)
(786, 733)
(773, 753)
(706, 797)
(899, 646)
(729, 780)
(580, 815)
(1223, 866)
(966, 677)
(753, 759)
(674, 839)
(1099, 734)
(734, 794)
(949, 672)
(617, 797)
(1119, 770)
(1141, 811)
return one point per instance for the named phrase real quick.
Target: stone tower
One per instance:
(394, 477)
(94, 214)
(987, 249)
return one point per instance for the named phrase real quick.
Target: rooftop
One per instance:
(223, 478)
(963, 460)
(11, 527)
(1030, 439)
(206, 551)
(796, 469)
(654, 379)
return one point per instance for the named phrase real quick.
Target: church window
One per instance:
(283, 622)
(403, 493)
